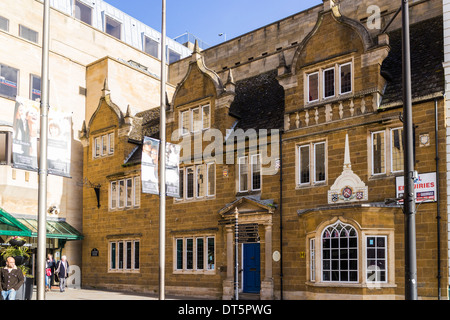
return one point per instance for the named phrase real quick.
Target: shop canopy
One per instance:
(26, 227)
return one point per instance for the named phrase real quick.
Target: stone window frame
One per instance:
(135, 190)
(124, 268)
(190, 111)
(320, 70)
(363, 233)
(376, 259)
(312, 161)
(98, 141)
(387, 153)
(207, 269)
(339, 248)
(184, 172)
(248, 163)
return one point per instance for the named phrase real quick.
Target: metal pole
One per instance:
(409, 202)
(42, 193)
(438, 206)
(236, 254)
(162, 161)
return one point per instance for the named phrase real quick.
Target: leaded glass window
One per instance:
(340, 253)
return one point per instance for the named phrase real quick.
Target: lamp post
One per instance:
(409, 202)
(43, 166)
(162, 160)
(236, 255)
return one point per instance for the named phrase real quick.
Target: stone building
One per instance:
(317, 184)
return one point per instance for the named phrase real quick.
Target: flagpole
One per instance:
(43, 166)
(162, 173)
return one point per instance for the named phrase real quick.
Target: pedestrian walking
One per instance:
(62, 271)
(50, 265)
(11, 279)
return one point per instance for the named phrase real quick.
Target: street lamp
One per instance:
(409, 205)
(43, 165)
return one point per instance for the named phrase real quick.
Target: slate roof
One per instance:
(150, 123)
(427, 56)
(259, 102)
(145, 123)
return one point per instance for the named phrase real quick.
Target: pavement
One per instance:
(88, 294)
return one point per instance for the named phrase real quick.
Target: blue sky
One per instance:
(207, 18)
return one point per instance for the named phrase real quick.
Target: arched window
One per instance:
(339, 253)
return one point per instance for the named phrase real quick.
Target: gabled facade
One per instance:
(343, 129)
(316, 184)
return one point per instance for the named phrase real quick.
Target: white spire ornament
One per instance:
(348, 187)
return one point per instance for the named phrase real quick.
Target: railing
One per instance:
(188, 37)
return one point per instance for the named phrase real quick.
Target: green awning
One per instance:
(25, 227)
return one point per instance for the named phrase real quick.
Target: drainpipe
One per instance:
(281, 215)
(438, 216)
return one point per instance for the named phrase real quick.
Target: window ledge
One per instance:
(385, 175)
(123, 209)
(248, 193)
(205, 198)
(305, 186)
(195, 272)
(350, 285)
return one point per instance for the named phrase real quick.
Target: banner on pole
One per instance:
(25, 134)
(149, 166)
(172, 170)
(59, 143)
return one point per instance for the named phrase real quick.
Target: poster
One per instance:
(26, 124)
(59, 143)
(424, 187)
(26, 134)
(172, 170)
(149, 166)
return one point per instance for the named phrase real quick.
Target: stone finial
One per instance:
(332, 5)
(128, 114)
(230, 86)
(83, 132)
(105, 90)
(282, 67)
(196, 53)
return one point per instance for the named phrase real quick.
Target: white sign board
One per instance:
(424, 187)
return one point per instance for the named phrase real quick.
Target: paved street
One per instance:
(85, 294)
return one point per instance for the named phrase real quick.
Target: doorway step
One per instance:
(249, 296)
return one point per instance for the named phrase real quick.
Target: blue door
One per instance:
(252, 268)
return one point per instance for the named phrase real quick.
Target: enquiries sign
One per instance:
(424, 187)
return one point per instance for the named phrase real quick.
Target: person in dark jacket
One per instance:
(62, 270)
(50, 265)
(11, 279)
